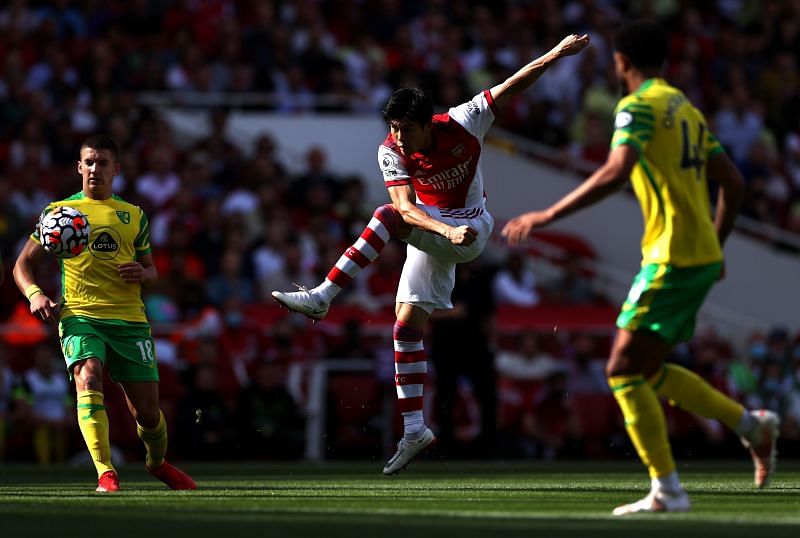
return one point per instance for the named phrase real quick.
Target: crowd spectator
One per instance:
(269, 422)
(44, 395)
(8, 381)
(515, 282)
(527, 360)
(461, 342)
(586, 367)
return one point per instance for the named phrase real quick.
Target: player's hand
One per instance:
(462, 235)
(43, 308)
(131, 272)
(571, 45)
(721, 272)
(519, 228)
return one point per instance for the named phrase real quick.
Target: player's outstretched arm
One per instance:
(731, 193)
(526, 76)
(606, 180)
(412, 215)
(41, 305)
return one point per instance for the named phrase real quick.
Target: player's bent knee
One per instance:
(88, 375)
(621, 364)
(147, 418)
(391, 219)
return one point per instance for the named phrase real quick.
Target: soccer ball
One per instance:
(64, 232)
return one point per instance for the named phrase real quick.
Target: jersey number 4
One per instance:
(691, 154)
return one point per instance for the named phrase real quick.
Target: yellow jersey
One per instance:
(90, 282)
(669, 180)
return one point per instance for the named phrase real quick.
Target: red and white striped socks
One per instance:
(409, 355)
(411, 369)
(380, 228)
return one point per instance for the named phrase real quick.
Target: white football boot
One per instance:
(302, 302)
(407, 451)
(657, 501)
(761, 444)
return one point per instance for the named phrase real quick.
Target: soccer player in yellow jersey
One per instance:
(662, 144)
(102, 323)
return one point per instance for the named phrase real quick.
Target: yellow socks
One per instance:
(2, 440)
(41, 445)
(93, 422)
(155, 440)
(689, 391)
(644, 420)
(49, 444)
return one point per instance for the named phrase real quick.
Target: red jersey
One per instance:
(449, 174)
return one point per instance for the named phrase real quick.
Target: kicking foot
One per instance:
(302, 302)
(407, 451)
(761, 444)
(656, 501)
(172, 476)
(108, 482)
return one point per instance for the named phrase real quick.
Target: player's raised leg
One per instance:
(633, 353)
(142, 399)
(314, 303)
(758, 430)
(411, 369)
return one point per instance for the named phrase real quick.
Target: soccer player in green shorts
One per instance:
(102, 322)
(662, 144)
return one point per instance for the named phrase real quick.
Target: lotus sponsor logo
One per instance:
(106, 244)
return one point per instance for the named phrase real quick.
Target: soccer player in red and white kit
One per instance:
(431, 166)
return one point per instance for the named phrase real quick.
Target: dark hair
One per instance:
(100, 141)
(409, 104)
(644, 42)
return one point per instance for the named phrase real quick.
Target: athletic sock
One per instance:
(411, 369)
(93, 423)
(155, 441)
(687, 390)
(360, 254)
(42, 446)
(669, 483)
(645, 423)
(747, 425)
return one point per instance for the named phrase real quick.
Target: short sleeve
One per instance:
(142, 242)
(476, 115)
(633, 125)
(392, 167)
(713, 146)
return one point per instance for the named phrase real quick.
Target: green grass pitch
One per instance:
(430, 498)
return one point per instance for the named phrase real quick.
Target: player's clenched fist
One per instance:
(462, 235)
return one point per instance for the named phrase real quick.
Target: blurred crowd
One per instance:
(229, 224)
(73, 67)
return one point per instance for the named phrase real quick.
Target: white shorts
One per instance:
(429, 272)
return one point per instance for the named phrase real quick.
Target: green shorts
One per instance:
(665, 299)
(125, 348)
